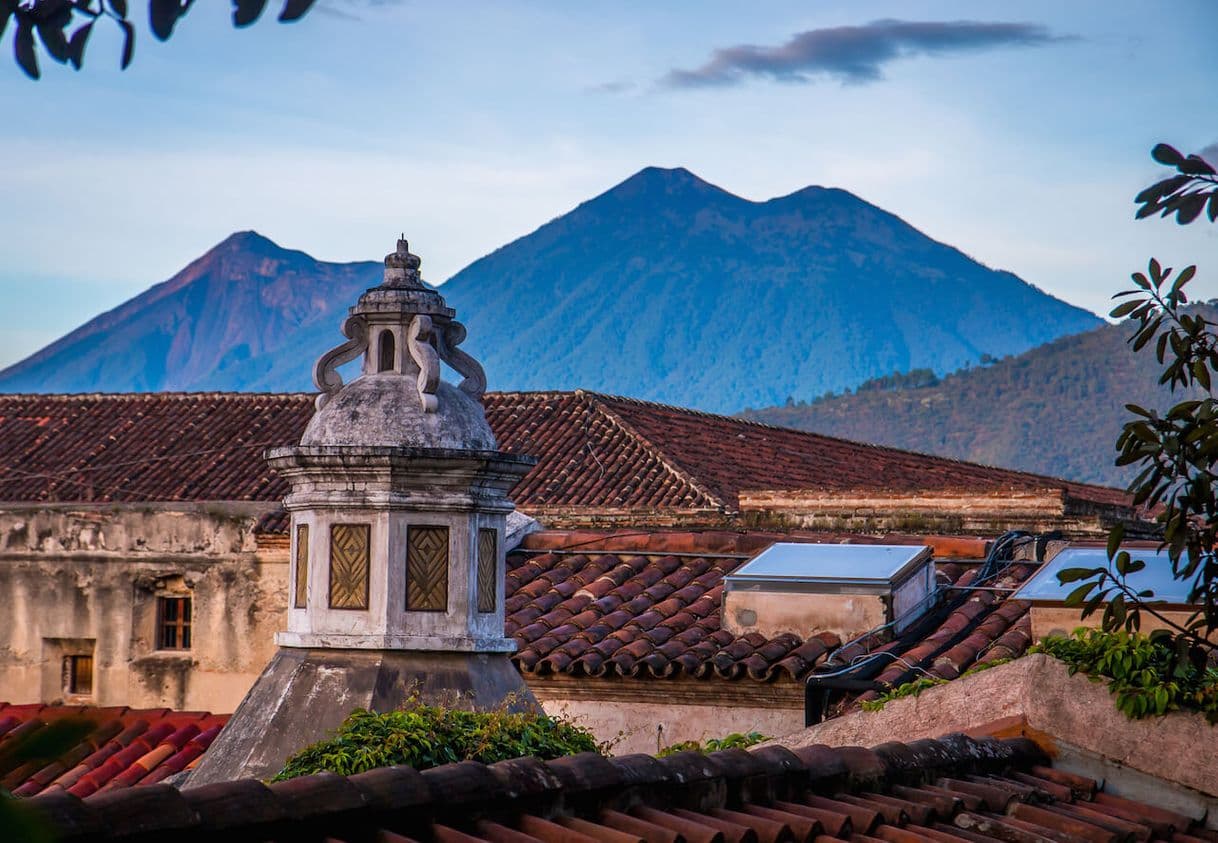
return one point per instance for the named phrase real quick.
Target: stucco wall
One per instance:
(648, 727)
(644, 715)
(85, 580)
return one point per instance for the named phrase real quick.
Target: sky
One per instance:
(1017, 132)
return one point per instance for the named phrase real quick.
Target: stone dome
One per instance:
(404, 330)
(382, 409)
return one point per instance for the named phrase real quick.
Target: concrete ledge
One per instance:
(1065, 710)
(428, 643)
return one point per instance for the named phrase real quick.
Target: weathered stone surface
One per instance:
(85, 580)
(398, 484)
(303, 696)
(383, 409)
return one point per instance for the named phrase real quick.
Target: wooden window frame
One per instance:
(174, 634)
(72, 662)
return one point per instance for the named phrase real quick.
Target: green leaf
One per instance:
(1115, 536)
(23, 48)
(1167, 155)
(128, 43)
(294, 10)
(1076, 597)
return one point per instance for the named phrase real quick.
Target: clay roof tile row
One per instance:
(644, 613)
(953, 790)
(595, 452)
(117, 747)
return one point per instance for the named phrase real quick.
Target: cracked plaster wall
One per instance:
(81, 581)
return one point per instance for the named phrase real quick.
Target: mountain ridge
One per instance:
(665, 287)
(1056, 409)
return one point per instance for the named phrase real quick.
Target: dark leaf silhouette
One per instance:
(55, 19)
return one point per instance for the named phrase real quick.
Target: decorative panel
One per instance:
(349, 549)
(426, 569)
(487, 569)
(302, 566)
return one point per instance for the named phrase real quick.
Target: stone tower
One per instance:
(398, 507)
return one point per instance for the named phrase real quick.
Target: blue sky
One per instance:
(1016, 132)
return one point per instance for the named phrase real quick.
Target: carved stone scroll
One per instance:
(325, 371)
(422, 331)
(475, 378)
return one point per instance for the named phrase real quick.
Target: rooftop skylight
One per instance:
(1044, 585)
(846, 564)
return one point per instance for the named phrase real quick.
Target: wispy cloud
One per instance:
(1210, 153)
(856, 54)
(621, 86)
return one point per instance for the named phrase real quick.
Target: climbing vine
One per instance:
(736, 740)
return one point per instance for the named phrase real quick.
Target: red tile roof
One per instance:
(954, 790)
(730, 455)
(120, 747)
(145, 447)
(595, 452)
(649, 606)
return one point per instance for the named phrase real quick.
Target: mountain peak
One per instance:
(650, 183)
(247, 241)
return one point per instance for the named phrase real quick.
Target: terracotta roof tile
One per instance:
(658, 616)
(595, 452)
(121, 747)
(946, 791)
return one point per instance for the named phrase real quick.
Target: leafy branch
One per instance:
(1184, 194)
(63, 27)
(1145, 675)
(1175, 451)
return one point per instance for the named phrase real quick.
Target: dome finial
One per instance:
(402, 268)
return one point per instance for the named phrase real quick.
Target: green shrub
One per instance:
(735, 740)
(423, 736)
(1143, 671)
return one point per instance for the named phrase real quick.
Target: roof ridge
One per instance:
(594, 399)
(1059, 482)
(604, 400)
(180, 395)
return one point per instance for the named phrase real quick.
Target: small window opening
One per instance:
(173, 623)
(386, 354)
(78, 675)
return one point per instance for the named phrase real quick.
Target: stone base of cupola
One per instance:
(304, 694)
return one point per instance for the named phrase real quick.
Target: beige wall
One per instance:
(85, 581)
(649, 727)
(645, 715)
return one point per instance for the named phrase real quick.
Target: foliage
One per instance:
(1146, 676)
(913, 379)
(63, 26)
(736, 740)
(1184, 194)
(997, 414)
(915, 687)
(421, 736)
(1174, 451)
